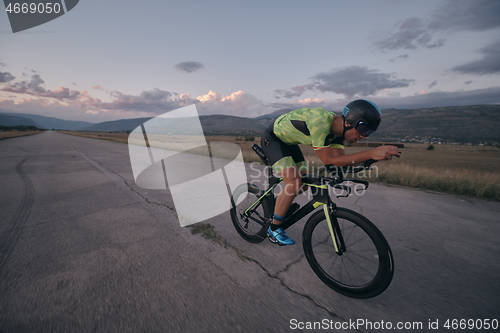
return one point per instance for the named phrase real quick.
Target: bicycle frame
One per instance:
(321, 197)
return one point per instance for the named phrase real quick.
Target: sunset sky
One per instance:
(107, 60)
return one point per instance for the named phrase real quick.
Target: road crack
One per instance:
(358, 206)
(208, 232)
(291, 264)
(9, 238)
(119, 179)
(303, 295)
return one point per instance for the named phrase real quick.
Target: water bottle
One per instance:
(260, 153)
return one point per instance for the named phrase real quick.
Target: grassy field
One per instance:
(117, 137)
(454, 169)
(15, 133)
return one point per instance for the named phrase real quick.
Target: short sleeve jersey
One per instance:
(308, 126)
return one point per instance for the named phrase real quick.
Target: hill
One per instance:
(9, 120)
(123, 125)
(459, 124)
(48, 122)
(212, 125)
(453, 124)
(274, 114)
(220, 124)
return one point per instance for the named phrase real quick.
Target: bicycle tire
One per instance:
(366, 268)
(251, 230)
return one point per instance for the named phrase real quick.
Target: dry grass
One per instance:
(117, 137)
(472, 158)
(455, 169)
(478, 183)
(14, 134)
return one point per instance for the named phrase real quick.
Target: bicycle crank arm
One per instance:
(253, 218)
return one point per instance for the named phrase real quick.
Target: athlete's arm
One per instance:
(338, 151)
(337, 158)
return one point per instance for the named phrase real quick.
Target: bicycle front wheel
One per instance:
(364, 270)
(250, 218)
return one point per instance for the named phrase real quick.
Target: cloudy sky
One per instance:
(107, 60)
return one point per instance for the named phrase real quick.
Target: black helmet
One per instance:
(363, 115)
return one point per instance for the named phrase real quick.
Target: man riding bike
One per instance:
(325, 132)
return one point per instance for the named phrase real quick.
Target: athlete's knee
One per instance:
(303, 189)
(293, 186)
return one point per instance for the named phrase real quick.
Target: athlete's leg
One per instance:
(288, 161)
(299, 160)
(292, 182)
(280, 158)
(292, 185)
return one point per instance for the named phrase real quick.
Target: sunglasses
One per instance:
(364, 129)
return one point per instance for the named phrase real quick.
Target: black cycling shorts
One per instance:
(279, 154)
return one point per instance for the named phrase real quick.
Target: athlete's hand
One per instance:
(385, 153)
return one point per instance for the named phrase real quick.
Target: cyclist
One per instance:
(325, 132)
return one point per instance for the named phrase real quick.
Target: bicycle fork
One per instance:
(333, 226)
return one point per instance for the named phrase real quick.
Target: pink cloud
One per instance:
(238, 103)
(33, 87)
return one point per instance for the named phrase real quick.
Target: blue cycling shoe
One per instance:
(279, 236)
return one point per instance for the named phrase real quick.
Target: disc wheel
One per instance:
(251, 223)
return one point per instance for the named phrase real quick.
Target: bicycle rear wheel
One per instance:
(364, 270)
(253, 225)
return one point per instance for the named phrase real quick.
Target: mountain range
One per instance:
(18, 119)
(461, 124)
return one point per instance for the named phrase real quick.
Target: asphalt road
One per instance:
(83, 249)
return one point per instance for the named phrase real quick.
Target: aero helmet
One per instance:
(363, 115)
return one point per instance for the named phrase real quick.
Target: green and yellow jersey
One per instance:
(308, 126)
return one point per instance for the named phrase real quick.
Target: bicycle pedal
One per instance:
(274, 241)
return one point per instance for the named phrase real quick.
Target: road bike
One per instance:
(345, 250)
